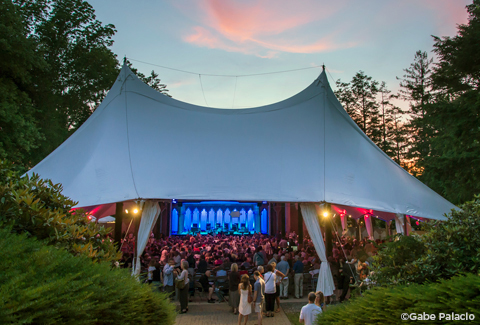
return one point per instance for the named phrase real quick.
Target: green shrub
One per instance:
(42, 284)
(385, 305)
(446, 249)
(37, 207)
(396, 263)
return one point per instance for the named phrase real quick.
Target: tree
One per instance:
(18, 130)
(78, 67)
(452, 164)
(359, 99)
(152, 80)
(416, 87)
(458, 69)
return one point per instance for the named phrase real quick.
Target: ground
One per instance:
(203, 313)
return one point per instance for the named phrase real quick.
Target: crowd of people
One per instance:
(255, 270)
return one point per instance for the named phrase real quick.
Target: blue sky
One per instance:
(227, 37)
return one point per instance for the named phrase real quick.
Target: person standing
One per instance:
(233, 281)
(183, 293)
(168, 277)
(298, 269)
(258, 296)
(310, 311)
(245, 307)
(284, 268)
(270, 289)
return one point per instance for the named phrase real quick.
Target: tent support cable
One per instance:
(344, 254)
(126, 233)
(203, 92)
(234, 92)
(128, 137)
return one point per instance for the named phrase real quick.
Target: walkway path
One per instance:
(219, 314)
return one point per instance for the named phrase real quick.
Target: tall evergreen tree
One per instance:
(452, 166)
(416, 89)
(359, 99)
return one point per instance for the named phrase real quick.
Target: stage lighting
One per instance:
(126, 211)
(174, 201)
(135, 211)
(325, 214)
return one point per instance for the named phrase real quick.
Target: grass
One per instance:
(293, 318)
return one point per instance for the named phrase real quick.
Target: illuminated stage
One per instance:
(215, 217)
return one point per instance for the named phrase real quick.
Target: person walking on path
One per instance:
(233, 282)
(245, 307)
(259, 291)
(310, 311)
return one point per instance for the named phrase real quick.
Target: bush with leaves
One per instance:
(396, 263)
(447, 248)
(37, 207)
(42, 284)
(385, 305)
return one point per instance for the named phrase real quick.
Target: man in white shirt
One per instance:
(310, 311)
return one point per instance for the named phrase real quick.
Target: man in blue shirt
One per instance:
(168, 276)
(298, 279)
(284, 268)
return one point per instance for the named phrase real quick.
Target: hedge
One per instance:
(44, 284)
(385, 305)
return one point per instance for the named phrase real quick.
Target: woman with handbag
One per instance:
(245, 307)
(270, 290)
(182, 284)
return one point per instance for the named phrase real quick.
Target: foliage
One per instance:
(359, 98)
(448, 248)
(152, 80)
(396, 263)
(381, 305)
(458, 69)
(56, 67)
(416, 88)
(448, 141)
(36, 207)
(452, 167)
(18, 130)
(453, 246)
(368, 103)
(44, 285)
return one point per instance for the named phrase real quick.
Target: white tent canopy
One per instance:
(142, 144)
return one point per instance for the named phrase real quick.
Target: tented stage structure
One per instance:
(140, 144)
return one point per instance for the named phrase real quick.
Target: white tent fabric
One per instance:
(107, 219)
(150, 213)
(369, 226)
(343, 219)
(400, 224)
(325, 280)
(141, 144)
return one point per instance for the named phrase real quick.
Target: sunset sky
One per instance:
(227, 37)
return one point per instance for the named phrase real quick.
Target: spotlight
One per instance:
(135, 211)
(126, 211)
(325, 214)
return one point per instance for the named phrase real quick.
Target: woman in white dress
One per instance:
(245, 307)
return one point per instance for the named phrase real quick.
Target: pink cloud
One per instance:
(448, 14)
(254, 27)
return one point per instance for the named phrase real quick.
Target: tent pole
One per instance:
(118, 222)
(328, 229)
(300, 225)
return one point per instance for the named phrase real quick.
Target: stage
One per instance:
(219, 217)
